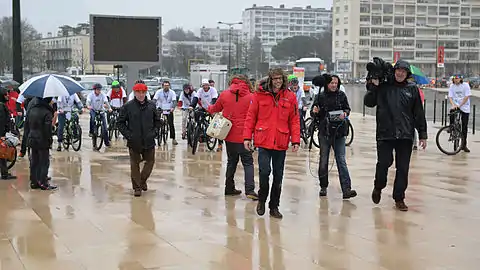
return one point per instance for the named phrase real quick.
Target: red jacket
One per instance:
(12, 102)
(273, 121)
(234, 103)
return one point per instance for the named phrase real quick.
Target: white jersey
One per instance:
(131, 96)
(97, 102)
(205, 98)
(66, 103)
(165, 100)
(116, 102)
(187, 101)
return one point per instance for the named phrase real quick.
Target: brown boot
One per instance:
(400, 205)
(137, 193)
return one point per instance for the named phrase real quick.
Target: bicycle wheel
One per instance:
(211, 143)
(452, 135)
(76, 137)
(97, 138)
(350, 135)
(196, 138)
(305, 134)
(314, 136)
(117, 132)
(190, 133)
(12, 162)
(111, 127)
(166, 129)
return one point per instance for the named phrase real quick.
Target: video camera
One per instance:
(379, 69)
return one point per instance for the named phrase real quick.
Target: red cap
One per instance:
(140, 87)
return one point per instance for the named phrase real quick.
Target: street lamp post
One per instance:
(17, 42)
(230, 28)
(436, 48)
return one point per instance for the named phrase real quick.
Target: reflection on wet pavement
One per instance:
(184, 221)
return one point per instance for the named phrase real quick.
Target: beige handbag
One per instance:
(219, 127)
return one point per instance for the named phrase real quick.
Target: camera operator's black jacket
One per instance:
(328, 101)
(399, 110)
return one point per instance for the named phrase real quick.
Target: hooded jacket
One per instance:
(4, 113)
(39, 124)
(399, 108)
(273, 119)
(234, 103)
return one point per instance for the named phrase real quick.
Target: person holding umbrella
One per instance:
(39, 122)
(4, 128)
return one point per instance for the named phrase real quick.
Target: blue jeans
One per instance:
(277, 159)
(339, 151)
(104, 126)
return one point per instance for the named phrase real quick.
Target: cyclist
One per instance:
(117, 96)
(64, 106)
(207, 95)
(131, 96)
(165, 101)
(301, 99)
(98, 102)
(187, 101)
(459, 97)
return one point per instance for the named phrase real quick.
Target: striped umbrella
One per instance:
(50, 85)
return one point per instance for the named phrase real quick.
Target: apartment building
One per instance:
(273, 24)
(218, 34)
(70, 52)
(410, 29)
(214, 49)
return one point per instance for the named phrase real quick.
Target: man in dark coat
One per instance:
(4, 128)
(399, 113)
(138, 122)
(39, 123)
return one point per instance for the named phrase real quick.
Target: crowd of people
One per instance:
(266, 115)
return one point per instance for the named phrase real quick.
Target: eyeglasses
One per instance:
(277, 79)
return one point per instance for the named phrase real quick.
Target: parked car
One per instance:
(153, 87)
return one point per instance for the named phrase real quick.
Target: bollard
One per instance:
(443, 108)
(364, 110)
(434, 110)
(446, 112)
(473, 120)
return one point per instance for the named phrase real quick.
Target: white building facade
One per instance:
(214, 49)
(273, 24)
(219, 34)
(411, 30)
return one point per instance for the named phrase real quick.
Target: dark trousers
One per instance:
(39, 163)
(104, 126)
(464, 118)
(171, 125)
(23, 146)
(236, 151)
(338, 145)
(277, 159)
(139, 178)
(403, 152)
(3, 167)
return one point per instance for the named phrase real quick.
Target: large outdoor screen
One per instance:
(125, 39)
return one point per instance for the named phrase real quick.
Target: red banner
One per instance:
(441, 56)
(396, 56)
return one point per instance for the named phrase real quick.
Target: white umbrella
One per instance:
(50, 85)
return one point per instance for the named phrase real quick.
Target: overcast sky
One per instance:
(47, 15)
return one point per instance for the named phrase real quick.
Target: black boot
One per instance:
(275, 213)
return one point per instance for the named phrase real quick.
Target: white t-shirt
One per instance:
(165, 100)
(300, 94)
(205, 98)
(132, 95)
(187, 101)
(457, 93)
(117, 102)
(97, 101)
(66, 103)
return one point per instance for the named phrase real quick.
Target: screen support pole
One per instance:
(132, 72)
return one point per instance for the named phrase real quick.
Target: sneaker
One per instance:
(232, 192)
(90, 134)
(137, 193)
(174, 142)
(252, 195)
(323, 192)
(275, 213)
(376, 196)
(415, 148)
(59, 148)
(21, 155)
(349, 194)
(466, 150)
(261, 208)
(48, 187)
(8, 177)
(144, 187)
(400, 205)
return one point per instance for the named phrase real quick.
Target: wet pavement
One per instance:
(185, 222)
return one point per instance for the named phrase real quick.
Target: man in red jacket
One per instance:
(234, 103)
(272, 119)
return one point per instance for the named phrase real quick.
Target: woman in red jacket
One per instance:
(272, 119)
(234, 103)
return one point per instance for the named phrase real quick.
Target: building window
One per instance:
(345, 20)
(345, 32)
(337, 32)
(345, 8)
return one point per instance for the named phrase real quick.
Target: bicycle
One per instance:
(72, 133)
(164, 128)
(98, 130)
(201, 131)
(112, 125)
(313, 132)
(454, 131)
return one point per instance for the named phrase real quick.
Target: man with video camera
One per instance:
(399, 113)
